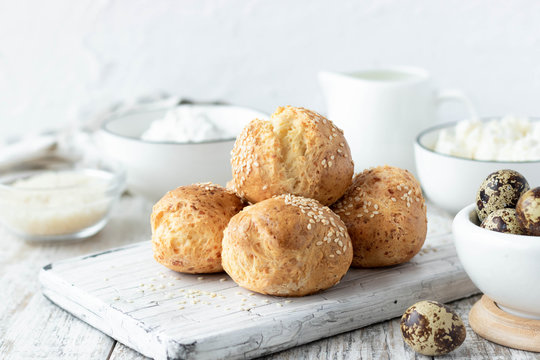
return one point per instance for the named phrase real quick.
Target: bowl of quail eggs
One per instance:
(497, 239)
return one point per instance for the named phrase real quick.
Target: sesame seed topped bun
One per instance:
(286, 246)
(298, 152)
(385, 215)
(187, 227)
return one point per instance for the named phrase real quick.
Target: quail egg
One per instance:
(503, 220)
(528, 211)
(431, 328)
(500, 190)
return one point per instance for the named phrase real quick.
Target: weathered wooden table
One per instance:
(32, 327)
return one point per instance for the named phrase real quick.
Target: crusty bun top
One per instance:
(298, 152)
(287, 245)
(187, 227)
(385, 214)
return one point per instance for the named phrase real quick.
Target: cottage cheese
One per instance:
(186, 124)
(509, 138)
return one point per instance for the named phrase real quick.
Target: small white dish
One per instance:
(153, 167)
(451, 182)
(503, 266)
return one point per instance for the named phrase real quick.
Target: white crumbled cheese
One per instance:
(186, 124)
(509, 138)
(55, 203)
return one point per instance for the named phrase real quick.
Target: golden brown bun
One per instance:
(298, 152)
(287, 246)
(385, 215)
(187, 227)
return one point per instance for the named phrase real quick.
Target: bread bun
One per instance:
(187, 227)
(286, 246)
(385, 215)
(298, 152)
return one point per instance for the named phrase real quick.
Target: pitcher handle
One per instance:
(457, 95)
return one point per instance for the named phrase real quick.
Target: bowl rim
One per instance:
(453, 124)
(463, 219)
(115, 117)
(115, 184)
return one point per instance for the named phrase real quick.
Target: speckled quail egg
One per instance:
(431, 328)
(528, 211)
(503, 220)
(500, 190)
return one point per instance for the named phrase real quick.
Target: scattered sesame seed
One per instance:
(375, 212)
(331, 255)
(309, 226)
(345, 248)
(359, 215)
(319, 243)
(340, 243)
(341, 144)
(116, 298)
(180, 308)
(329, 164)
(279, 305)
(200, 278)
(371, 215)
(399, 187)
(222, 279)
(288, 301)
(393, 199)
(338, 252)
(265, 187)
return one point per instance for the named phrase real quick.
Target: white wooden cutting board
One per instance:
(165, 315)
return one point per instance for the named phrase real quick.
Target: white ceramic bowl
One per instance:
(153, 168)
(452, 182)
(505, 267)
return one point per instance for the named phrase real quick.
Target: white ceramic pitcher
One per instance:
(383, 110)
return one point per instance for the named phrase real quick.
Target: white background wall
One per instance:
(64, 60)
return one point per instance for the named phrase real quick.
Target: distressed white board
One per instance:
(165, 315)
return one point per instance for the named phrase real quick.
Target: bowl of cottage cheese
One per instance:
(453, 159)
(166, 148)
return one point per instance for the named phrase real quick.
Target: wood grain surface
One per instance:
(167, 315)
(31, 327)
